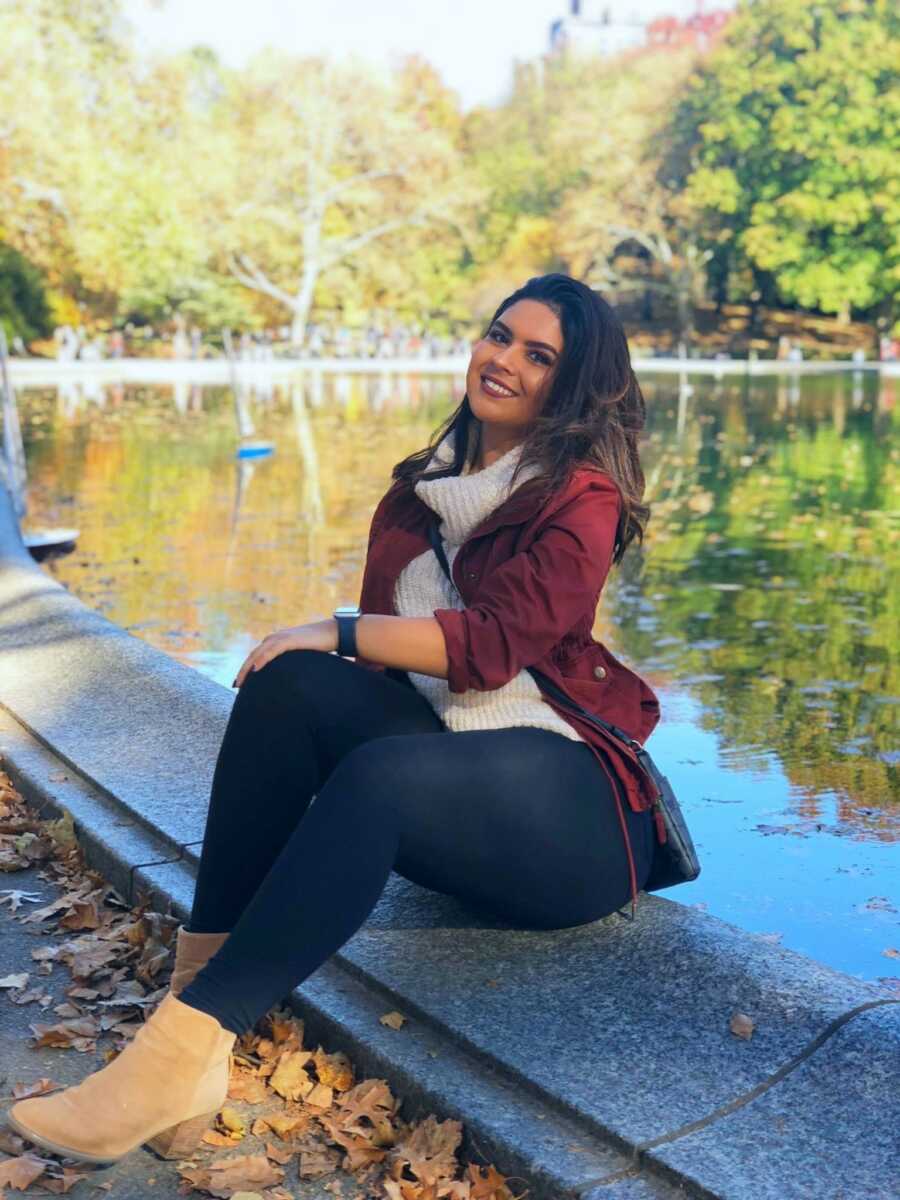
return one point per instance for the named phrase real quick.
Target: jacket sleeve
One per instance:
(537, 596)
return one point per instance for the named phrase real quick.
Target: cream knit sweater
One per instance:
(463, 501)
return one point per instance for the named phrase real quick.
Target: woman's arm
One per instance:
(406, 643)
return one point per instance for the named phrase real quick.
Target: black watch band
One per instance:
(346, 616)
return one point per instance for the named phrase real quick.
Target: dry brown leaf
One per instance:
(321, 1160)
(21, 1091)
(82, 993)
(286, 1030)
(78, 1035)
(335, 1070)
(246, 1087)
(63, 1182)
(282, 1124)
(281, 1154)
(11, 1143)
(372, 1101)
(212, 1137)
(290, 1079)
(741, 1025)
(392, 1019)
(488, 1184)
(84, 915)
(245, 1172)
(68, 1010)
(320, 1097)
(429, 1150)
(21, 1172)
(230, 1121)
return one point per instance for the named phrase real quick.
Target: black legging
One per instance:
(517, 821)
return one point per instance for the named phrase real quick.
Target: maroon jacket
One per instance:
(530, 577)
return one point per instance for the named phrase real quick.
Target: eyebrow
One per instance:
(542, 345)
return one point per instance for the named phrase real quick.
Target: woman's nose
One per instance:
(504, 356)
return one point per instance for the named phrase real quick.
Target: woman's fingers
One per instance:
(269, 648)
(253, 662)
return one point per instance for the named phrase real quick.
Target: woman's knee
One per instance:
(285, 677)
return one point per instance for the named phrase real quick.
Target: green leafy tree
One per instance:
(24, 311)
(788, 145)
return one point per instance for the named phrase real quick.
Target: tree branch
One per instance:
(248, 273)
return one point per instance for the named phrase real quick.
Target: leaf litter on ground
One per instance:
(292, 1113)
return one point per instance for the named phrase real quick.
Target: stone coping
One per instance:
(595, 1061)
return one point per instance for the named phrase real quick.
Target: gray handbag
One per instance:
(674, 855)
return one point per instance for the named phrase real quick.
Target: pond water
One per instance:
(763, 606)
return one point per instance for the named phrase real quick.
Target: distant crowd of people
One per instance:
(329, 341)
(322, 340)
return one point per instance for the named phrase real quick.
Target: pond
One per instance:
(763, 606)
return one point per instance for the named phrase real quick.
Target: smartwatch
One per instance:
(346, 616)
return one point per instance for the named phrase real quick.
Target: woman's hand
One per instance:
(317, 635)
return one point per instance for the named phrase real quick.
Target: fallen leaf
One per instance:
(21, 1172)
(290, 1079)
(84, 915)
(282, 1124)
(14, 981)
(232, 1175)
(246, 1087)
(393, 1019)
(15, 898)
(429, 1150)
(22, 1090)
(319, 1161)
(78, 1034)
(212, 1137)
(11, 1143)
(741, 1025)
(62, 831)
(230, 1121)
(320, 1097)
(334, 1070)
(63, 1182)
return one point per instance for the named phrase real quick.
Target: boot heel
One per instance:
(179, 1140)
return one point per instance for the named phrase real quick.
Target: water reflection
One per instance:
(763, 605)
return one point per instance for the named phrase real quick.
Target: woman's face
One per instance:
(512, 366)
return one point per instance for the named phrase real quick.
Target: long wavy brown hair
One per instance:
(593, 412)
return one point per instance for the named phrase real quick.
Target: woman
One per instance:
(529, 812)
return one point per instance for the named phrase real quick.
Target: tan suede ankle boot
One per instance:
(163, 1091)
(192, 952)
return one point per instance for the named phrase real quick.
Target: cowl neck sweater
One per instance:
(463, 502)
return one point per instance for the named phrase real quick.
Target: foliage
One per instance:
(24, 311)
(788, 142)
(247, 197)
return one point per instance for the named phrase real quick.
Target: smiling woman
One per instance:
(433, 754)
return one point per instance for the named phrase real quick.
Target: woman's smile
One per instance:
(493, 387)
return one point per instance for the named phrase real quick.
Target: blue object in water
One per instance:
(255, 450)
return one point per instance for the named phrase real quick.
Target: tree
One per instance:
(789, 144)
(326, 160)
(621, 224)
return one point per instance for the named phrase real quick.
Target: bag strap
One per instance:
(539, 677)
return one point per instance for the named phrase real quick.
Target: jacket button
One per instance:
(600, 672)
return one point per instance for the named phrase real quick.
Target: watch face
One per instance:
(347, 610)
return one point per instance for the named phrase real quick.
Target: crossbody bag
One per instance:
(674, 856)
